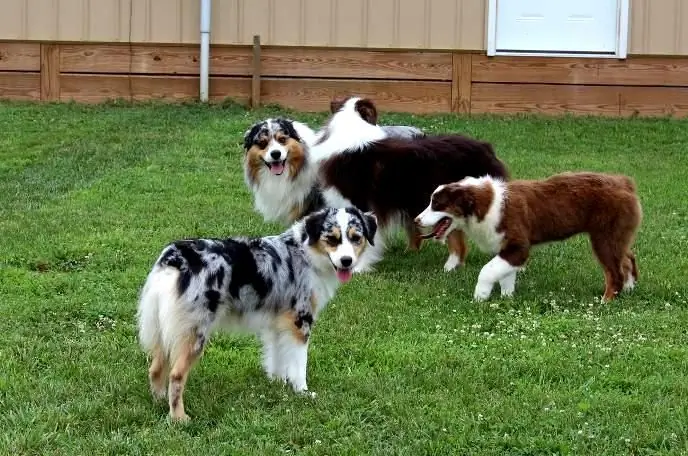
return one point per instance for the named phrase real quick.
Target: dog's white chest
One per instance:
(324, 290)
(485, 237)
(276, 196)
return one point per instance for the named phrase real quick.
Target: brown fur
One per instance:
(296, 157)
(254, 162)
(288, 322)
(604, 206)
(183, 360)
(456, 243)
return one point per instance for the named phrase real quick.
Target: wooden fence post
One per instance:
(50, 72)
(461, 83)
(255, 80)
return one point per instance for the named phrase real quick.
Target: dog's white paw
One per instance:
(629, 284)
(452, 262)
(308, 393)
(159, 393)
(507, 293)
(481, 293)
(183, 418)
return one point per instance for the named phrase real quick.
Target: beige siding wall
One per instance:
(657, 26)
(433, 24)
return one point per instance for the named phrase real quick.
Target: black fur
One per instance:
(395, 176)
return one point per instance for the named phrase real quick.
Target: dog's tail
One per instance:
(160, 323)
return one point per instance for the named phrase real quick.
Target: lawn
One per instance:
(402, 360)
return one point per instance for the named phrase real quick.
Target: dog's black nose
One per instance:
(346, 261)
(275, 154)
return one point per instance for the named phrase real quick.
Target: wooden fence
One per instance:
(307, 78)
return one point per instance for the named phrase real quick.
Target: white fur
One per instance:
(452, 262)
(293, 360)
(274, 196)
(496, 270)
(306, 133)
(347, 131)
(484, 232)
(629, 284)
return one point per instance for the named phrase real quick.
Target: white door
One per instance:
(557, 26)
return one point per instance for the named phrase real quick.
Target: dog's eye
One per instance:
(262, 143)
(355, 238)
(282, 140)
(332, 240)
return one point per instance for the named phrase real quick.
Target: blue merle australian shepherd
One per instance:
(274, 286)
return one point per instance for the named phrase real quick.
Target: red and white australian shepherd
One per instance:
(507, 218)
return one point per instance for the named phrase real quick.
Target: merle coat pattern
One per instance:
(274, 286)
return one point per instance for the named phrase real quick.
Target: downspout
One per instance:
(205, 48)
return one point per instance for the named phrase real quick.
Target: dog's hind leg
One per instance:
(157, 373)
(184, 354)
(630, 271)
(456, 243)
(611, 256)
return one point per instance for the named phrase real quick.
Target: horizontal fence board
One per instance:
(152, 59)
(20, 56)
(654, 101)
(650, 71)
(544, 98)
(336, 63)
(398, 96)
(237, 61)
(647, 71)
(99, 88)
(20, 86)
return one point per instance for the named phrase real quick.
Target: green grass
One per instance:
(403, 361)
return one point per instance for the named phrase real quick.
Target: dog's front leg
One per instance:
(496, 270)
(271, 362)
(294, 360)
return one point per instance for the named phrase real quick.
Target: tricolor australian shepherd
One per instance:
(393, 177)
(509, 218)
(274, 286)
(280, 171)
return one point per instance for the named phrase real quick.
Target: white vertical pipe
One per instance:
(205, 48)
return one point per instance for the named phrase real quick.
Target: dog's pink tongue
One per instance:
(344, 275)
(277, 168)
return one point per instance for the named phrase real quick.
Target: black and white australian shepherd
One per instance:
(507, 219)
(360, 165)
(275, 286)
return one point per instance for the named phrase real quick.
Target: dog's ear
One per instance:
(313, 224)
(367, 110)
(287, 126)
(368, 222)
(247, 143)
(369, 226)
(461, 199)
(336, 104)
(250, 135)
